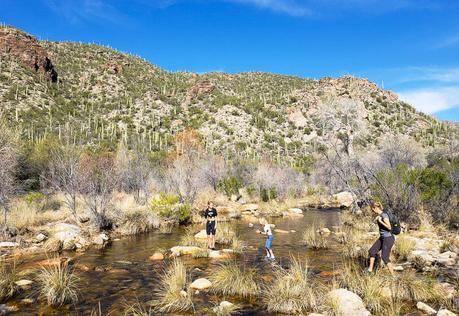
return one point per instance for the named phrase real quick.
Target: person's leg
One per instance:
(209, 235)
(267, 246)
(214, 232)
(387, 245)
(373, 252)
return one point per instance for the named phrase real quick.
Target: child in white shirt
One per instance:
(269, 238)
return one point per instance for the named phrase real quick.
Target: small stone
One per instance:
(445, 312)
(249, 207)
(183, 293)
(226, 304)
(157, 256)
(27, 301)
(250, 225)
(40, 237)
(324, 231)
(348, 303)
(449, 290)
(425, 308)
(8, 244)
(201, 284)
(297, 211)
(23, 282)
(398, 268)
(293, 231)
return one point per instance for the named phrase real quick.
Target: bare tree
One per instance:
(213, 170)
(401, 149)
(134, 172)
(64, 175)
(99, 181)
(8, 163)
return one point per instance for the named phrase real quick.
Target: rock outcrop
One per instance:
(27, 50)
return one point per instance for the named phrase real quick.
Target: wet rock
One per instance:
(248, 207)
(250, 225)
(201, 235)
(226, 304)
(295, 211)
(447, 258)
(185, 250)
(201, 284)
(83, 267)
(8, 244)
(348, 303)
(100, 239)
(445, 312)
(157, 256)
(68, 245)
(183, 293)
(344, 199)
(117, 271)
(425, 308)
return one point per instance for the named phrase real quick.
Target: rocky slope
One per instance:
(103, 95)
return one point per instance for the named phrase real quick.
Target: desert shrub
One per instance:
(314, 239)
(291, 291)
(137, 222)
(230, 185)
(225, 234)
(166, 206)
(403, 247)
(414, 287)
(59, 285)
(34, 197)
(172, 296)
(230, 278)
(8, 278)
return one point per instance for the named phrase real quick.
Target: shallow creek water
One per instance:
(133, 278)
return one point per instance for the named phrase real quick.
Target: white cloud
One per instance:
(432, 100)
(448, 42)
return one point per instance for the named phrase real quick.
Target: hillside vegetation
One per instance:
(103, 96)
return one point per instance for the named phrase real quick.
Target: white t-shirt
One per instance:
(267, 229)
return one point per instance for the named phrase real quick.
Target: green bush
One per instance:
(34, 197)
(167, 206)
(230, 185)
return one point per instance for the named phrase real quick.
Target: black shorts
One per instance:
(383, 244)
(210, 228)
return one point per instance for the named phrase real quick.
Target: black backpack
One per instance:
(394, 223)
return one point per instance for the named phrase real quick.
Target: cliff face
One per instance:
(27, 50)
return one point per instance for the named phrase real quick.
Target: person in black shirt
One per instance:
(210, 214)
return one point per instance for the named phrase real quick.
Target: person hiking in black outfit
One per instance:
(386, 238)
(210, 214)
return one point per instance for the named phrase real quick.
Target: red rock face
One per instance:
(27, 50)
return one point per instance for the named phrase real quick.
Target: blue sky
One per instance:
(408, 46)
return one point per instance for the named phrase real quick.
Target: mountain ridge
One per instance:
(103, 95)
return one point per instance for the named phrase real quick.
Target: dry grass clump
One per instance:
(226, 309)
(53, 244)
(59, 285)
(370, 287)
(237, 245)
(225, 234)
(173, 295)
(137, 309)
(25, 215)
(8, 278)
(202, 253)
(415, 287)
(313, 239)
(403, 247)
(230, 278)
(166, 227)
(291, 291)
(137, 221)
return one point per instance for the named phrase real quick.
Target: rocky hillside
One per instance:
(101, 96)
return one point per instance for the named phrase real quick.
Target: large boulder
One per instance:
(65, 232)
(344, 199)
(347, 303)
(201, 284)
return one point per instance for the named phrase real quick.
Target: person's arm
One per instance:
(385, 222)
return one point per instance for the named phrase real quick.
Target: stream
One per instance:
(131, 277)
